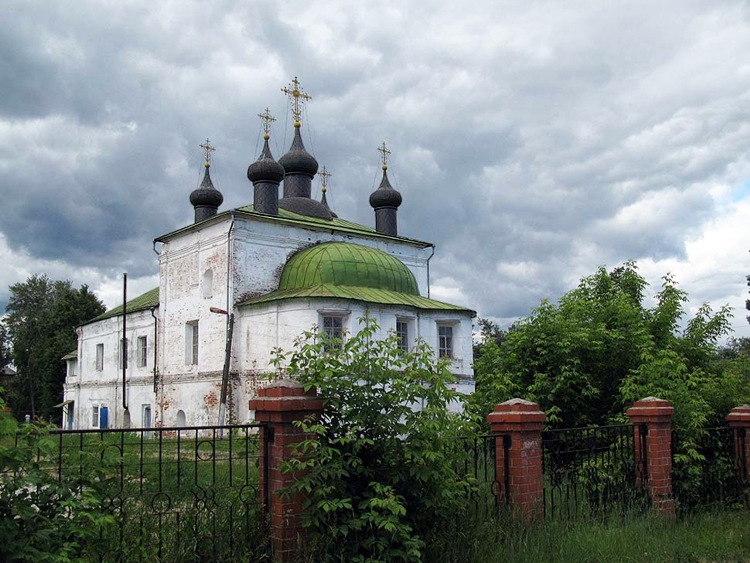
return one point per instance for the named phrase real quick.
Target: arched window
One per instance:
(208, 282)
(181, 418)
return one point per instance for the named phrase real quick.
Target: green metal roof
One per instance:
(284, 216)
(140, 303)
(365, 294)
(70, 355)
(350, 271)
(347, 264)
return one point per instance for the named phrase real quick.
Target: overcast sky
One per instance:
(532, 141)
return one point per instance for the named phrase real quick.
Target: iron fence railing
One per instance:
(710, 470)
(475, 457)
(592, 471)
(176, 494)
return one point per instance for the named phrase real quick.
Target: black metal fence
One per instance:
(592, 471)
(710, 470)
(176, 494)
(475, 457)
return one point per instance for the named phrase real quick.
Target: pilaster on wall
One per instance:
(522, 422)
(656, 415)
(739, 420)
(279, 405)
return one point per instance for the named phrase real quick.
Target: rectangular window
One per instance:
(95, 417)
(123, 353)
(142, 351)
(333, 331)
(191, 343)
(445, 341)
(99, 357)
(402, 334)
(146, 421)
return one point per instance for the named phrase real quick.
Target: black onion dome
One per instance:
(324, 203)
(298, 160)
(206, 195)
(307, 207)
(385, 195)
(265, 169)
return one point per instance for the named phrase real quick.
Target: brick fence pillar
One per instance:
(656, 469)
(522, 422)
(739, 420)
(279, 405)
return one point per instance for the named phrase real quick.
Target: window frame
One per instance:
(99, 361)
(446, 348)
(122, 353)
(192, 342)
(403, 340)
(142, 351)
(338, 317)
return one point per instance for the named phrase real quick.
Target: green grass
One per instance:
(717, 536)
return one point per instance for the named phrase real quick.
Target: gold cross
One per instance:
(324, 175)
(207, 150)
(385, 153)
(267, 119)
(297, 98)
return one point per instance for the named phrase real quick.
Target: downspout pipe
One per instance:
(124, 338)
(428, 270)
(156, 348)
(230, 258)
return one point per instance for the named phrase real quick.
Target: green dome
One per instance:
(347, 264)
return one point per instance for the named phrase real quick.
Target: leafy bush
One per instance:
(43, 518)
(378, 470)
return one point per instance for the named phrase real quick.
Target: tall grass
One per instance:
(717, 536)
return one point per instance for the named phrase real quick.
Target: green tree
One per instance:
(588, 357)
(380, 475)
(5, 358)
(489, 332)
(41, 320)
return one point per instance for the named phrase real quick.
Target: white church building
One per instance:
(238, 283)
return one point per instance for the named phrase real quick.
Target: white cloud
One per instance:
(532, 142)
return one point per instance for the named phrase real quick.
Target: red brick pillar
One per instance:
(739, 419)
(656, 469)
(279, 405)
(522, 422)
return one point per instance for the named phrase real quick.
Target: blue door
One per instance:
(103, 417)
(70, 416)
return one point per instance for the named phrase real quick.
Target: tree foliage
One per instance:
(43, 518)
(41, 318)
(5, 358)
(588, 357)
(379, 473)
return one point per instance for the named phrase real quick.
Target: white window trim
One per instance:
(99, 358)
(192, 348)
(410, 326)
(141, 351)
(452, 324)
(334, 313)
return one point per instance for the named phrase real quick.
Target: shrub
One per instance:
(43, 518)
(379, 471)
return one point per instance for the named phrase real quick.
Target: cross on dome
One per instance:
(385, 153)
(297, 99)
(267, 119)
(207, 150)
(324, 175)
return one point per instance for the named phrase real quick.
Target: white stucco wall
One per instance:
(103, 388)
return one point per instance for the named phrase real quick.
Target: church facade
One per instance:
(236, 284)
